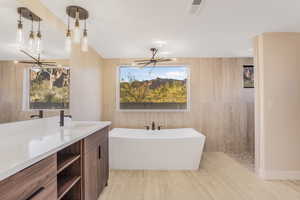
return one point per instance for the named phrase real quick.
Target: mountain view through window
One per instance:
(153, 88)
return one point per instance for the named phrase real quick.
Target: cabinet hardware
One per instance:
(35, 193)
(99, 152)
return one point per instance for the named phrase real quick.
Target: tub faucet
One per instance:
(40, 115)
(153, 126)
(62, 118)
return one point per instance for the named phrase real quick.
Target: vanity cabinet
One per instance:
(96, 169)
(37, 182)
(77, 172)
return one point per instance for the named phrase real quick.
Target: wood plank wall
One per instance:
(220, 107)
(11, 89)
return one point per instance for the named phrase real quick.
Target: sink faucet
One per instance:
(40, 115)
(153, 126)
(62, 118)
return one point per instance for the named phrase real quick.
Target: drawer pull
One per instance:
(99, 152)
(35, 193)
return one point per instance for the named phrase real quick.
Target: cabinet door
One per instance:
(96, 164)
(105, 161)
(99, 169)
(91, 180)
(103, 168)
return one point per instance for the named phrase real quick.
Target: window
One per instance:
(153, 88)
(49, 88)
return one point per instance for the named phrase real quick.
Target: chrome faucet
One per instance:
(62, 118)
(40, 115)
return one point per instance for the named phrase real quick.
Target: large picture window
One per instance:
(153, 88)
(49, 88)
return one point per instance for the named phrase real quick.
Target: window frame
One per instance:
(188, 106)
(27, 108)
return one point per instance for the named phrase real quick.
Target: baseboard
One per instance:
(278, 175)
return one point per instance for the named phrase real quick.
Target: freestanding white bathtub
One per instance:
(168, 149)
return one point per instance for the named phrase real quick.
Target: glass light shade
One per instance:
(19, 36)
(39, 45)
(38, 42)
(76, 32)
(68, 44)
(84, 42)
(31, 43)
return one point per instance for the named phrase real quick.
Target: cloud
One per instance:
(174, 75)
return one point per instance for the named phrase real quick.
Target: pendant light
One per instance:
(77, 13)
(20, 37)
(76, 35)
(84, 42)
(39, 44)
(34, 40)
(68, 42)
(31, 39)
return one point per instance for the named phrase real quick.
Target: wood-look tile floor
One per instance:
(219, 178)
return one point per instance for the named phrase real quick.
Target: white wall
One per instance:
(278, 105)
(86, 92)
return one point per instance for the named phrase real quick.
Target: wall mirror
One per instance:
(20, 80)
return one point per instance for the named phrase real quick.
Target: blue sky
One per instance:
(149, 73)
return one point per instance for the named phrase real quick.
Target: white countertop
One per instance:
(24, 143)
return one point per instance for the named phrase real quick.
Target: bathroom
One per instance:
(146, 111)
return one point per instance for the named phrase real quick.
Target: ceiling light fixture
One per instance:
(68, 42)
(77, 13)
(31, 38)
(84, 42)
(20, 38)
(77, 28)
(34, 41)
(39, 45)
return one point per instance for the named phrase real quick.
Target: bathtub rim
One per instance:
(146, 133)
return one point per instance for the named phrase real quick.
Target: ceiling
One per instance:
(53, 40)
(128, 28)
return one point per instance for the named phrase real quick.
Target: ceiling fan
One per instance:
(153, 60)
(36, 61)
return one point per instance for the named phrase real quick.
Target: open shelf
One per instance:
(69, 172)
(66, 160)
(66, 184)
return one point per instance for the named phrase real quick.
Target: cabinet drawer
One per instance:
(95, 139)
(29, 181)
(47, 192)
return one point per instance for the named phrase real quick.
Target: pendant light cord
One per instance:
(20, 17)
(31, 23)
(39, 25)
(69, 21)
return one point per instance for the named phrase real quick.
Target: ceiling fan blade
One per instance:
(29, 55)
(47, 62)
(143, 63)
(26, 62)
(142, 60)
(164, 60)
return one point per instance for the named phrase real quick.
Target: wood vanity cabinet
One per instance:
(37, 182)
(78, 172)
(96, 168)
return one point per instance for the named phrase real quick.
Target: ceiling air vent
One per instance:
(195, 6)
